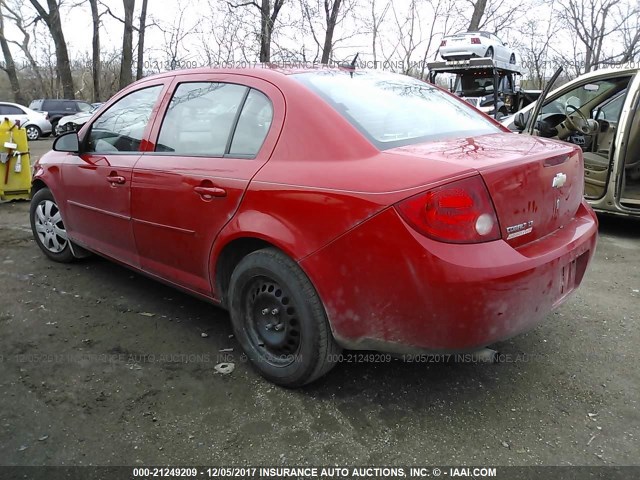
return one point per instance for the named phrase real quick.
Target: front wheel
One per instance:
(512, 59)
(33, 132)
(48, 228)
(279, 319)
(489, 53)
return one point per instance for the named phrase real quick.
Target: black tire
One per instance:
(269, 290)
(489, 53)
(33, 132)
(48, 228)
(512, 59)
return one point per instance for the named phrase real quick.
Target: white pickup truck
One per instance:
(599, 112)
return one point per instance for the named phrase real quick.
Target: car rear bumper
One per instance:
(463, 51)
(385, 287)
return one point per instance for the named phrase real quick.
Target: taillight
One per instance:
(458, 212)
(475, 40)
(443, 43)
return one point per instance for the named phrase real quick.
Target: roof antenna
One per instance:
(351, 67)
(353, 62)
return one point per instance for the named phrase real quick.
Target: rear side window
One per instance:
(10, 110)
(52, 105)
(253, 125)
(69, 106)
(36, 105)
(120, 128)
(200, 118)
(394, 110)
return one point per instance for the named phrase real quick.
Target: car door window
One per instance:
(120, 128)
(10, 110)
(253, 125)
(200, 118)
(581, 95)
(84, 107)
(611, 110)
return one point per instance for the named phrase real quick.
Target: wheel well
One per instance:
(229, 258)
(37, 185)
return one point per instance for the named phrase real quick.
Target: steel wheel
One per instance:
(271, 322)
(33, 132)
(49, 226)
(279, 320)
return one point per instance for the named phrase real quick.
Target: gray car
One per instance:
(35, 123)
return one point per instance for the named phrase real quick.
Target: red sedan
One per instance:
(324, 209)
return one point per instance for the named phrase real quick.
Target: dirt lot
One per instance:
(99, 365)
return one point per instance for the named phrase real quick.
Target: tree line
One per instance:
(581, 35)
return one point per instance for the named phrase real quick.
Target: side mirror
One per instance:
(519, 121)
(67, 142)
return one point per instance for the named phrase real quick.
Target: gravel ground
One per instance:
(102, 366)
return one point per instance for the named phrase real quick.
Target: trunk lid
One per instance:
(535, 184)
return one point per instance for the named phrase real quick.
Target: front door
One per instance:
(217, 131)
(97, 182)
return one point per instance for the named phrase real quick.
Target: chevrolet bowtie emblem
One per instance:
(559, 180)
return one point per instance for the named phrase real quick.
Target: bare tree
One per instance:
(9, 65)
(268, 17)
(13, 12)
(592, 22)
(376, 21)
(141, 32)
(408, 36)
(51, 18)
(493, 15)
(440, 12)
(479, 7)
(323, 17)
(534, 47)
(331, 11)
(95, 46)
(127, 44)
(220, 35)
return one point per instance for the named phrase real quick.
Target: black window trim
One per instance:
(232, 132)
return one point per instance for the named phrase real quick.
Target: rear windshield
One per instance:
(395, 110)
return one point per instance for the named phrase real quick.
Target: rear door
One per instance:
(214, 135)
(97, 182)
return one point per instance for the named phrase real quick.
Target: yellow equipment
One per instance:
(15, 165)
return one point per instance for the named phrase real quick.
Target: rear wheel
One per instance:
(279, 319)
(33, 132)
(48, 228)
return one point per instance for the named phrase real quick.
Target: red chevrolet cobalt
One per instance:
(324, 209)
